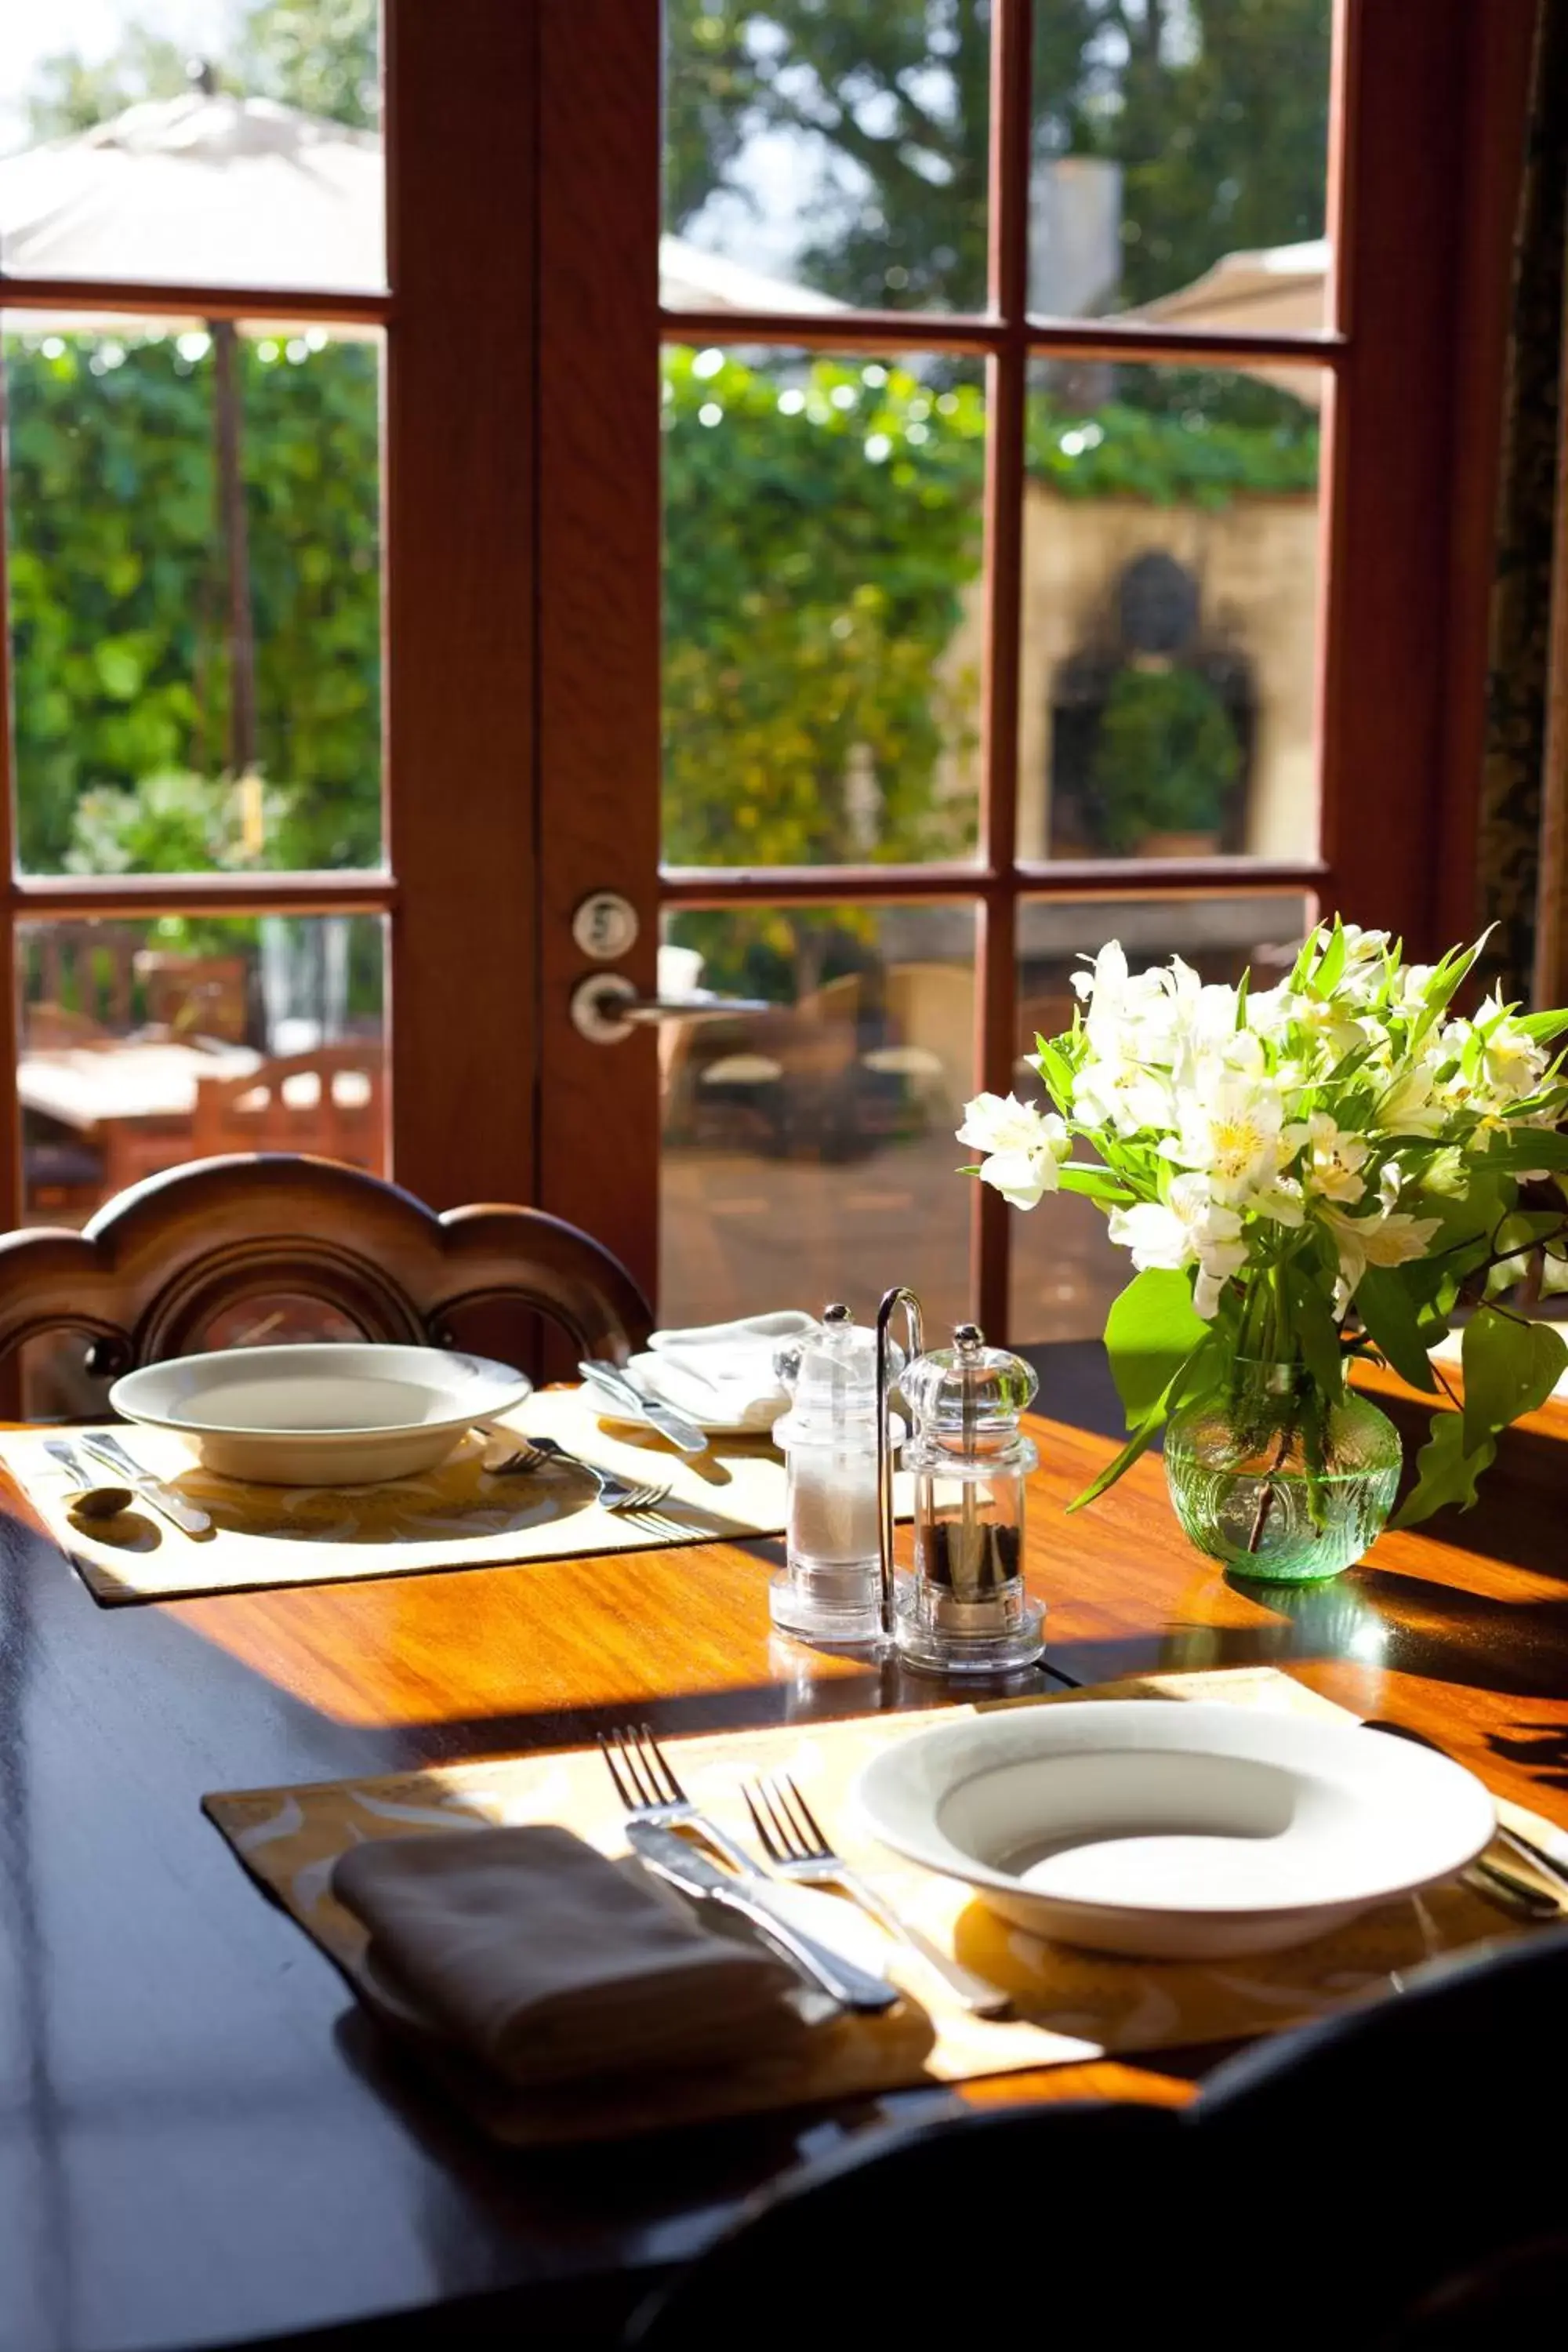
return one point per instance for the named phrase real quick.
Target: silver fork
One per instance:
(647, 1786)
(615, 1493)
(796, 1845)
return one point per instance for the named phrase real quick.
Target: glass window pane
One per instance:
(1180, 162)
(822, 609)
(148, 1044)
(1065, 1271)
(819, 155)
(195, 143)
(194, 528)
(1169, 601)
(808, 1150)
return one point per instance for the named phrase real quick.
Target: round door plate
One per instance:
(605, 926)
(593, 1003)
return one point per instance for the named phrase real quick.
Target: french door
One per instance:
(990, 631)
(1012, 600)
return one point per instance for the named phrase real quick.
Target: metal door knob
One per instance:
(606, 1006)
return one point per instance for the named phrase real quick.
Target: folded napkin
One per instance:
(543, 1960)
(723, 1373)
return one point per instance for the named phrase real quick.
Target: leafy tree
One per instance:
(320, 55)
(116, 605)
(71, 94)
(1216, 110)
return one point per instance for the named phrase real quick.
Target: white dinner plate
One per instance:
(1174, 1829)
(338, 1414)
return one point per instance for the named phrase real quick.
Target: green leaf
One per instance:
(1096, 1183)
(1543, 1027)
(1184, 1376)
(1530, 1147)
(1510, 1366)
(1448, 1472)
(1326, 978)
(1139, 1442)
(1387, 1310)
(1053, 1068)
(1317, 1333)
(1150, 1331)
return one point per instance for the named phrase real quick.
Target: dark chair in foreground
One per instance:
(1392, 2180)
(176, 1263)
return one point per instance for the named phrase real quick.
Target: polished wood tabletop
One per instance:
(202, 2142)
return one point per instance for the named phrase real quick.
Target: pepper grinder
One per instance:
(964, 1609)
(830, 1589)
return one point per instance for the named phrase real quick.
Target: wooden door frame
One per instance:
(1424, 175)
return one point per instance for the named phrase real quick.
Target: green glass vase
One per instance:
(1274, 1484)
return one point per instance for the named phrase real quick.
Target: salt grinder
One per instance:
(963, 1610)
(830, 1589)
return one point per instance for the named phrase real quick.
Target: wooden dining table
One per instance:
(204, 2142)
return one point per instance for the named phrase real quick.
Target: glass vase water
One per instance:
(1268, 1477)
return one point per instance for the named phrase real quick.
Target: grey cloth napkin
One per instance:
(543, 1960)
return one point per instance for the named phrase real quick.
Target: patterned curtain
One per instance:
(1523, 863)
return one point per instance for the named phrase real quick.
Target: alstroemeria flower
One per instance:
(1189, 1227)
(1411, 1105)
(1234, 1131)
(1386, 1237)
(1333, 1170)
(1023, 1147)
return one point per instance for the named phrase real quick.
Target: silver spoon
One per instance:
(91, 1501)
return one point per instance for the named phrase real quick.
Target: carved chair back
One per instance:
(165, 1268)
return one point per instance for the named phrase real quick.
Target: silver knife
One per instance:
(669, 1857)
(104, 1446)
(612, 1382)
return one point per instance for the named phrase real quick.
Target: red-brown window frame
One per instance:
(459, 612)
(523, 549)
(1425, 153)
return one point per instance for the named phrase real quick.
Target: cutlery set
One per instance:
(658, 1808)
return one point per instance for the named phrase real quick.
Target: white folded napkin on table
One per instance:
(544, 1961)
(723, 1373)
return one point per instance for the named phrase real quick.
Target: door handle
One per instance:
(607, 1007)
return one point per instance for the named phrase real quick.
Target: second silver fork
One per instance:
(797, 1847)
(615, 1493)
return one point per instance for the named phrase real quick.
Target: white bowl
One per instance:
(1174, 1829)
(330, 1415)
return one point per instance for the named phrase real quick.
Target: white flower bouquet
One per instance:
(1336, 1165)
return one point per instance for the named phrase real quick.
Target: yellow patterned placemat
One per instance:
(1073, 2005)
(457, 1516)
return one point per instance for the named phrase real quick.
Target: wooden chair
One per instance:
(1390, 2177)
(331, 1101)
(162, 1265)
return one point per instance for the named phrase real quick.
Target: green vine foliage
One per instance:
(120, 660)
(823, 527)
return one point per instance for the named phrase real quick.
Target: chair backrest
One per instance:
(1443, 2103)
(156, 1268)
(1388, 2177)
(331, 1101)
(964, 2230)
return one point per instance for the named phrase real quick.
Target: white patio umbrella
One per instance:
(692, 279)
(1279, 289)
(205, 189)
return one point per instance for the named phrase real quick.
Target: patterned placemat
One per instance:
(457, 1516)
(1072, 2005)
